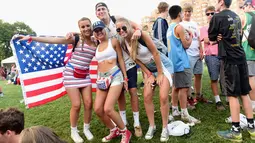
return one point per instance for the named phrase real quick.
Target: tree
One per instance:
(7, 30)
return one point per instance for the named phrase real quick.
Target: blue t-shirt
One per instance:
(177, 53)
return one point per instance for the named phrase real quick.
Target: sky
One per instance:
(57, 17)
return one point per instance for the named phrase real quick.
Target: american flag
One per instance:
(40, 68)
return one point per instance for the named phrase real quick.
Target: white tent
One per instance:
(8, 61)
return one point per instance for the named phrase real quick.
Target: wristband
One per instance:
(126, 79)
(30, 39)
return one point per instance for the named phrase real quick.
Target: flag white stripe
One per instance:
(44, 96)
(41, 73)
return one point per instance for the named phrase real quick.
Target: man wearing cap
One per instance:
(246, 17)
(227, 24)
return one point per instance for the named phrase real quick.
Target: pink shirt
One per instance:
(208, 48)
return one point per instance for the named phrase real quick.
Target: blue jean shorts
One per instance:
(196, 65)
(213, 64)
(167, 66)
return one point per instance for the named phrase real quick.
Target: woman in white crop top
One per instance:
(107, 54)
(80, 58)
(153, 63)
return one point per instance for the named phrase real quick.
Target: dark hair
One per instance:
(174, 11)
(11, 119)
(227, 3)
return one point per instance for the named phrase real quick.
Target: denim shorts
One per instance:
(196, 64)
(117, 79)
(167, 66)
(213, 64)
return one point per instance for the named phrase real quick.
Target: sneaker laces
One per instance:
(110, 135)
(123, 136)
(164, 133)
(150, 130)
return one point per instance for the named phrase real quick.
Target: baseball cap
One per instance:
(249, 2)
(98, 24)
(101, 4)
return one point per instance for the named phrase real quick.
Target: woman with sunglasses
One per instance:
(153, 63)
(76, 86)
(109, 55)
(102, 13)
(211, 58)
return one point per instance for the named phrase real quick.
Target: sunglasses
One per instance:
(207, 14)
(124, 28)
(98, 30)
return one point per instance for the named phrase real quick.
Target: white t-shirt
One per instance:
(112, 33)
(192, 26)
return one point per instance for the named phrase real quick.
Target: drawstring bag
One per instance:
(104, 83)
(79, 73)
(178, 128)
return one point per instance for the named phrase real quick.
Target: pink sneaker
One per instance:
(113, 134)
(126, 136)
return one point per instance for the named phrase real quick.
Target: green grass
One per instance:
(56, 116)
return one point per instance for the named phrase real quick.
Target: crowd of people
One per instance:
(168, 60)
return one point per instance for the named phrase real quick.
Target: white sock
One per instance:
(185, 112)
(86, 126)
(74, 128)
(124, 129)
(175, 107)
(123, 117)
(253, 103)
(136, 119)
(113, 129)
(217, 98)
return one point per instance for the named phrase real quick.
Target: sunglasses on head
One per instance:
(124, 28)
(98, 30)
(207, 14)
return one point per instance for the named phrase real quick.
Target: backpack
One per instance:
(251, 37)
(76, 40)
(159, 45)
(113, 19)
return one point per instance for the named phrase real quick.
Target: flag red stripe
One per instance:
(93, 72)
(44, 101)
(94, 90)
(44, 90)
(42, 79)
(93, 63)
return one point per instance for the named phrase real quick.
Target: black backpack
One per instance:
(251, 37)
(76, 40)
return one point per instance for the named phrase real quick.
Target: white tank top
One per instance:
(144, 54)
(107, 54)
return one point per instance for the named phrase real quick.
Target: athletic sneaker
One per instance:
(176, 112)
(190, 119)
(230, 135)
(200, 98)
(126, 136)
(113, 134)
(219, 106)
(191, 103)
(164, 135)
(138, 131)
(150, 133)
(76, 137)
(251, 132)
(171, 118)
(88, 134)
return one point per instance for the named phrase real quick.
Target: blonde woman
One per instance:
(77, 86)
(158, 69)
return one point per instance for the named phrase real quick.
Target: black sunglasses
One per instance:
(207, 14)
(124, 28)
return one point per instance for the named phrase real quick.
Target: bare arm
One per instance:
(51, 40)
(118, 50)
(151, 46)
(180, 32)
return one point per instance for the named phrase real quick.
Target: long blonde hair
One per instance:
(134, 43)
(82, 37)
(39, 134)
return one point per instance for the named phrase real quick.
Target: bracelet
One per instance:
(30, 39)
(126, 79)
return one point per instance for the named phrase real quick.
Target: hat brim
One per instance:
(102, 27)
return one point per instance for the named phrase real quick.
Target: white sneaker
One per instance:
(88, 134)
(150, 133)
(171, 118)
(176, 112)
(190, 119)
(76, 137)
(164, 135)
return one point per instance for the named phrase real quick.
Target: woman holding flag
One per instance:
(76, 75)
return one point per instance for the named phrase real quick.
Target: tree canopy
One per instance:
(7, 30)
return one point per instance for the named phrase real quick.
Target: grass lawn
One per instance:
(56, 116)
